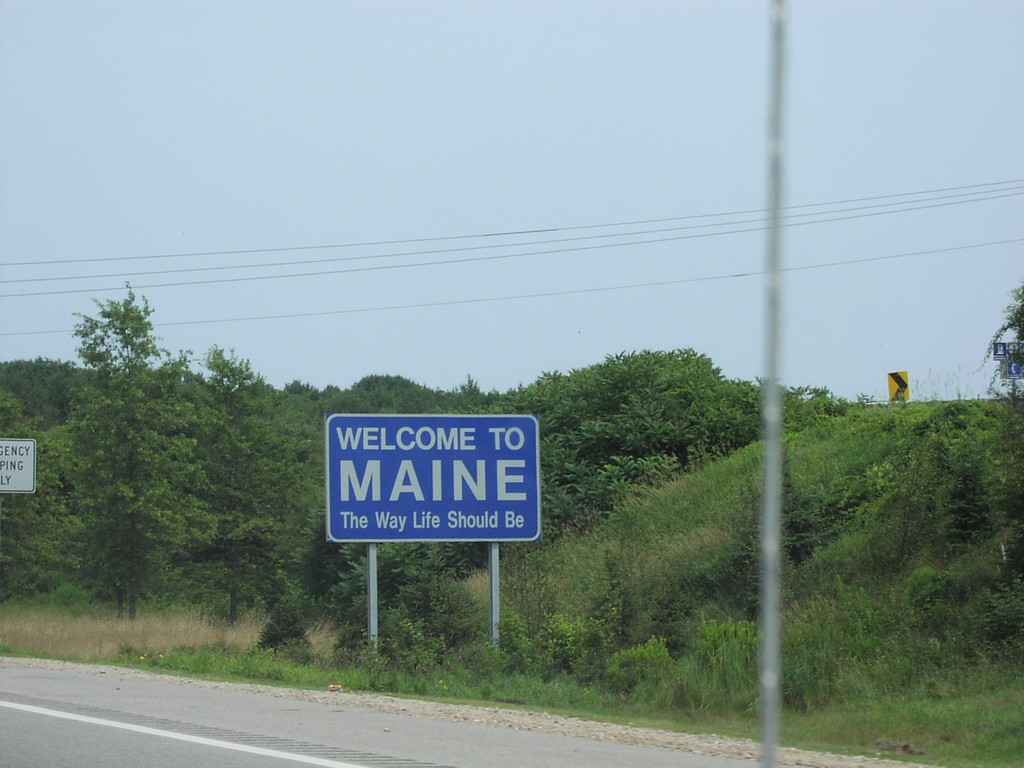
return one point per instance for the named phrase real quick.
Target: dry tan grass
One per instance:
(479, 586)
(102, 636)
(322, 643)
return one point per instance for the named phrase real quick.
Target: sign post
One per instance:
(17, 469)
(440, 478)
(494, 576)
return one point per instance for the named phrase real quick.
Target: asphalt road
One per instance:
(51, 719)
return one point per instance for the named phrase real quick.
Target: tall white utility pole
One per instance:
(771, 500)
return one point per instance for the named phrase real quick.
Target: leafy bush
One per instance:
(70, 597)
(633, 417)
(516, 643)
(928, 592)
(631, 667)
(578, 646)
(482, 659)
(406, 641)
(286, 626)
(1002, 615)
(561, 642)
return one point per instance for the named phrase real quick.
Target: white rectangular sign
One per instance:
(17, 465)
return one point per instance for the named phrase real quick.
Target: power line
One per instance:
(221, 268)
(986, 187)
(555, 294)
(497, 257)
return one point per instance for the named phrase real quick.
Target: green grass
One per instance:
(972, 729)
(960, 719)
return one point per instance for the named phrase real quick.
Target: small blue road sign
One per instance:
(1013, 370)
(432, 478)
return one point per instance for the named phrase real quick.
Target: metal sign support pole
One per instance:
(371, 592)
(494, 569)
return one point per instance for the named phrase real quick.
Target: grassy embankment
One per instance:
(881, 644)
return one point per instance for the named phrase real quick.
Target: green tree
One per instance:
(252, 484)
(41, 529)
(44, 387)
(385, 394)
(1012, 331)
(134, 450)
(1011, 454)
(635, 418)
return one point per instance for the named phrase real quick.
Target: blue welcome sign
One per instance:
(432, 478)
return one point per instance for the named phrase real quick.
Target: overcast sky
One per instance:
(498, 189)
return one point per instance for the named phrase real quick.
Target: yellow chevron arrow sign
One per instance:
(899, 386)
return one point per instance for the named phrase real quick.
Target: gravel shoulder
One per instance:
(704, 744)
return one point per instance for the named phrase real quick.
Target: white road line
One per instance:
(181, 737)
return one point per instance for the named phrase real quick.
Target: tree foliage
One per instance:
(634, 418)
(1013, 322)
(1011, 454)
(206, 487)
(250, 485)
(41, 529)
(43, 387)
(134, 452)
